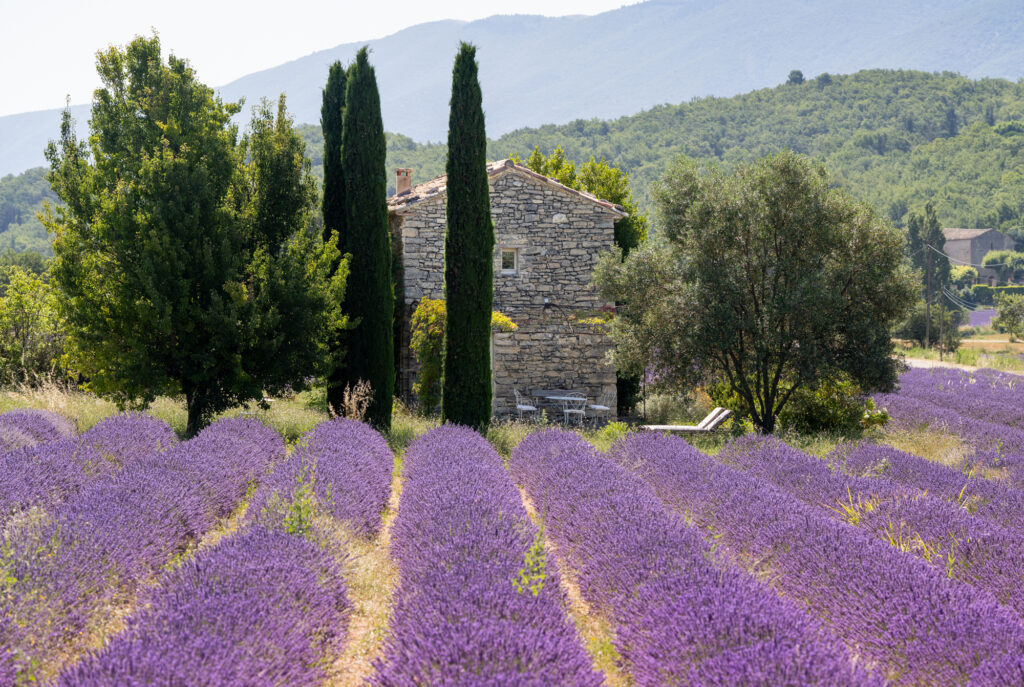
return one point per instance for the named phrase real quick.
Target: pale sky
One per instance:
(48, 47)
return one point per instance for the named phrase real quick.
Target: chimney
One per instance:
(404, 181)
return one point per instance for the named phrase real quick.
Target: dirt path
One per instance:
(372, 578)
(923, 363)
(595, 631)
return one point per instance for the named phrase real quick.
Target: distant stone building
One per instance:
(969, 247)
(547, 241)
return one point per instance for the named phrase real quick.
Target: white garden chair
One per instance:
(602, 408)
(574, 409)
(522, 407)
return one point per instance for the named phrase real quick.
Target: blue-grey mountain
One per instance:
(536, 70)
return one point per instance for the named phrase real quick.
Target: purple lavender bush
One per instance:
(480, 601)
(981, 408)
(680, 617)
(46, 475)
(30, 427)
(985, 498)
(920, 627)
(346, 464)
(946, 536)
(96, 549)
(262, 608)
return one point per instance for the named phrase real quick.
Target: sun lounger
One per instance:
(709, 424)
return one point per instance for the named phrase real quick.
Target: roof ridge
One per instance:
(438, 186)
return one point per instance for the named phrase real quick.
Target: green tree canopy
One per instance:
(469, 254)
(183, 259)
(601, 179)
(768, 280)
(332, 112)
(367, 239)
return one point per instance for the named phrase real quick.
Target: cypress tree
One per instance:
(469, 254)
(331, 113)
(369, 354)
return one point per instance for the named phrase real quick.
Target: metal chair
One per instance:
(602, 409)
(522, 406)
(574, 409)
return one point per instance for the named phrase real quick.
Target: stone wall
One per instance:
(558, 235)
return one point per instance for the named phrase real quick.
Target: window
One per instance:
(509, 260)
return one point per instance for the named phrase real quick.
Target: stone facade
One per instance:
(969, 247)
(551, 237)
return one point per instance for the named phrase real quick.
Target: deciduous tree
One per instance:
(469, 253)
(768, 280)
(183, 260)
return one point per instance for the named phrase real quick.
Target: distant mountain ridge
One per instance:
(536, 70)
(894, 139)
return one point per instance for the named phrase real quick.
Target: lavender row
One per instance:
(64, 570)
(985, 394)
(990, 500)
(922, 628)
(679, 617)
(49, 473)
(29, 427)
(992, 445)
(262, 608)
(480, 601)
(966, 548)
(346, 464)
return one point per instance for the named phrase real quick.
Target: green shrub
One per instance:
(834, 406)
(913, 328)
(983, 294)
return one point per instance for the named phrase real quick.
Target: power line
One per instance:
(961, 262)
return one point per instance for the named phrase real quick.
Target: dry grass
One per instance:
(594, 629)
(372, 578)
(936, 446)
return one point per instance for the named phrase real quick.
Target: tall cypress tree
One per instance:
(369, 354)
(331, 112)
(469, 254)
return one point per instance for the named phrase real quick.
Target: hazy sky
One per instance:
(48, 47)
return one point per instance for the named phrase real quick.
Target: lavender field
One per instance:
(129, 557)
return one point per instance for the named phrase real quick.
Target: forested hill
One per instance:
(896, 139)
(537, 69)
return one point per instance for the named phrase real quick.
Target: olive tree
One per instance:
(763, 281)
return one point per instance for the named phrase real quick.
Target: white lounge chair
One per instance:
(709, 424)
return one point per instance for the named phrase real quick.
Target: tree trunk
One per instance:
(195, 415)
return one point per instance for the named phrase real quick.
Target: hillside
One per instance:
(894, 138)
(537, 70)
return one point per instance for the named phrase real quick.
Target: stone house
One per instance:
(547, 241)
(969, 247)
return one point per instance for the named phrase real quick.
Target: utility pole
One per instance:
(928, 300)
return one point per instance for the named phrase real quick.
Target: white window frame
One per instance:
(515, 259)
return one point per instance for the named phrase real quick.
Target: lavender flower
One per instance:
(348, 464)
(922, 628)
(680, 617)
(261, 608)
(947, 536)
(480, 601)
(29, 427)
(117, 532)
(47, 474)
